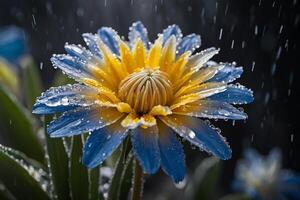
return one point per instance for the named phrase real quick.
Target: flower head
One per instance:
(148, 91)
(12, 43)
(262, 177)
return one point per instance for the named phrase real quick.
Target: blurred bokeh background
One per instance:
(260, 35)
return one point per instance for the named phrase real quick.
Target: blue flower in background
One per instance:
(262, 177)
(148, 91)
(12, 43)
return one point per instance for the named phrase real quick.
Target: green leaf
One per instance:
(94, 183)
(114, 189)
(23, 180)
(126, 178)
(17, 125)
(79, 183)
(58, 165)
(31, 81)
(235, 197)
(204, 180)
(8, 76)
(61, 79)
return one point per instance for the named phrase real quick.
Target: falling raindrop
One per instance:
(273, 68)
(243, 44)
(226, 9)
(253, 65)
(281, 28)
(33, 23)
(220, 34)
(232, 44)
(267, 98)
(278, 53)
(256, 30)
(181, 184)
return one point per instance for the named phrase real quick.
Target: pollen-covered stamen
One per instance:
(145, 89)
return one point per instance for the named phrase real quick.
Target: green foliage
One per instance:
(204, 180)
(116, 182)
(126, 178)
(8, 76)
(32, 84)
(78, 173)
(21, 176)
(17, 126)
(94, 184)
(58, 165)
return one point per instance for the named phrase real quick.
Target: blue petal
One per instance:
(188, 43)
(43, 109)
(274, 158)
(172, 30)
(78, 51)
(290, 178)
(145, 148)
(63, 98)
(109, 38)
(83, 55)
(84, 119)
(211, 109)
(138, 30)
(72, 66)
(228, 73)
(199, 133)
(252, 155)
(199, 60)
(101, 144)
(290, 186)
(12, 43)
(171, 153)
(235, 94)
(91, 42)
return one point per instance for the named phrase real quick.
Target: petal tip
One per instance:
(226, 154)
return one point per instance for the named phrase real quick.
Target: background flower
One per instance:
(12, 43)
(263, 178)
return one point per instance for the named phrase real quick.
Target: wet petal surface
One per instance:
(146, 149)
(101, 144)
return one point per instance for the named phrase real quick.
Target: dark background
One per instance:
(260, 35)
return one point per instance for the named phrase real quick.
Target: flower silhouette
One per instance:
(148, 91)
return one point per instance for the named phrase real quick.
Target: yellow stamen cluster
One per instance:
(145, 89)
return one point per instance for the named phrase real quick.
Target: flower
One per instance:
(262, 177)
(12, 48)
(12, 43)
(148, 91)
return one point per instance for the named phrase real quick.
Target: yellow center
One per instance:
(145, 89)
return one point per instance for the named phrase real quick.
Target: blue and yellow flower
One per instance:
(262, 177)
(148, 91)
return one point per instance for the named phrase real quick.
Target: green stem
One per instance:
(138, 182)
(114, 189)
